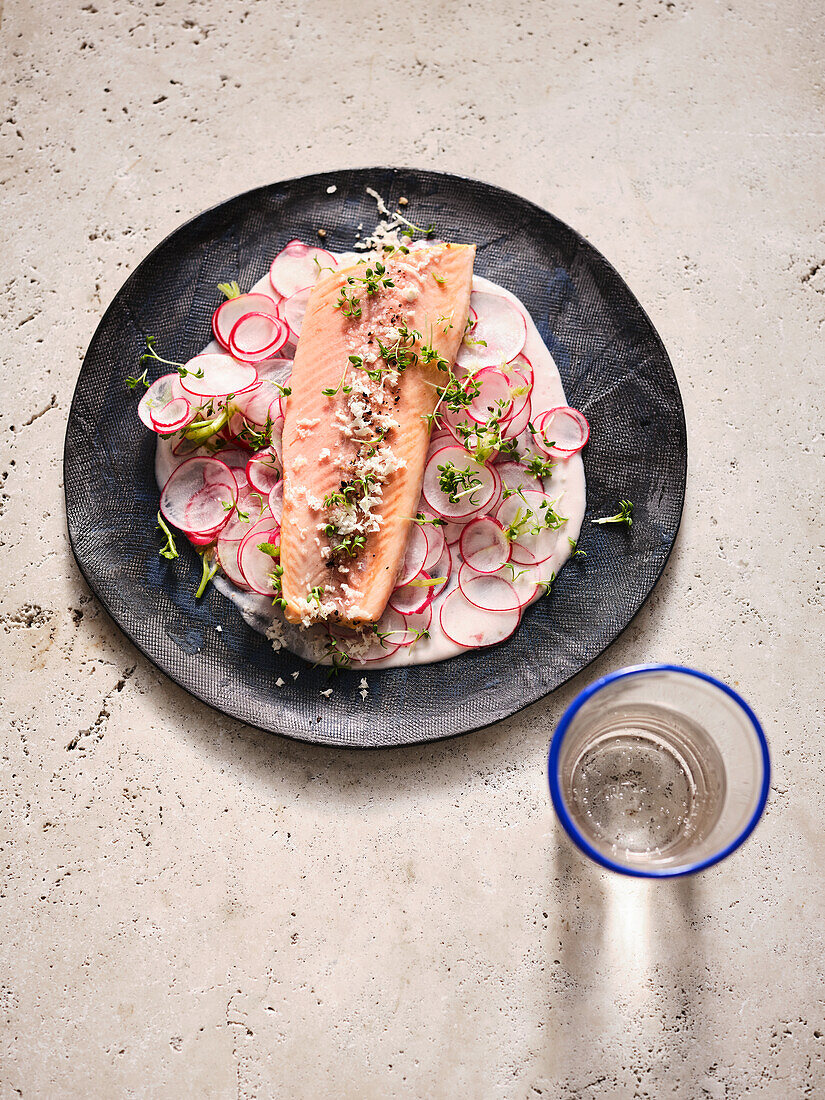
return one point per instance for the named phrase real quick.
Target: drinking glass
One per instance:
(659, 771)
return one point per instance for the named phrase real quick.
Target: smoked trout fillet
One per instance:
(377, 341)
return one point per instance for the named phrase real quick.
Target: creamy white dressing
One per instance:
(566, 487)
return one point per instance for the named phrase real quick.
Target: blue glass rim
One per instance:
(565, 818)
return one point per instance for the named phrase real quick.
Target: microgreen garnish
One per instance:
(229, 507)
(455, 483)
(270, 548)
(374, 279)
(400, 355)
(276, 576)
(548, 584)
(428, 583)
(475, 343)
(547, 518)
(519, 524)
(229, 290)
(210, 568)
(622, 516)
(330, 392)
(132, 382)
(168, 550)
(349, 545)
(436, 521)
(574, 553)
(340, 657)
(349, 305)
(256, 438)
(514, 574)
(438, 278)
(539, 467)
(315, 594)
(201, 430)
(150, 355)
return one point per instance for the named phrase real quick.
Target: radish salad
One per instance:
(503, 495)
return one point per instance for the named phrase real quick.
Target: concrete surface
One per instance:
(191, 908)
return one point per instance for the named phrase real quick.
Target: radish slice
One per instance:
(227, 550)
(442, 568)
(441, 437)
(256, 565)
(520, 367)
(222, 375)
(475, 488)
(412, 598)
(403, 630)
(236, 460)
(263, 471)
(518, 420)
(257, 336)
(526, 580)
(276, 500)
(198, 496)
(172, 416)
(293, 311)
(562, 432)
(415, 554)
(275, 371)
(525, 512)
(487, 592)
(494, 399)
(200, 540)
(276, 436)
(468, 626)
(250, 504)
(253, 407)
(453, 532)
(514, 477)
(228, 313)
(163, 390)
(295, 268)
(484, 545)
(500, 326)
(435, 546)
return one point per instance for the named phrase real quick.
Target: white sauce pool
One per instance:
(566, 487)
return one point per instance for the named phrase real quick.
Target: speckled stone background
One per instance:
(191, 908)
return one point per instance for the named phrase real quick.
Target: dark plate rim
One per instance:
(342, 745)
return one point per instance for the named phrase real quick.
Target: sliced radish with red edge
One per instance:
(163, 390)
(172, 416)
(228, 313)
(471, 498)
(472, 628)
(255, 564)
(263, 471)
(497, 336)
(295, 267)
(562, 432)
(484, 545)
(199, 495)
(221, 375)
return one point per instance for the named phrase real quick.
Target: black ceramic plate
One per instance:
(614, 369)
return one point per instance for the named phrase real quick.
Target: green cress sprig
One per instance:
(209, 569)
(622, 516)
(169, 550)
(150, 355)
